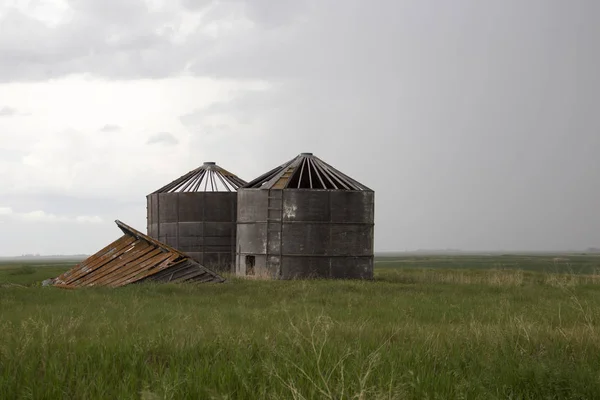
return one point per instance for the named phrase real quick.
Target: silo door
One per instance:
(250, 262)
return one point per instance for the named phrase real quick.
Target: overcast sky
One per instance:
(476, 122)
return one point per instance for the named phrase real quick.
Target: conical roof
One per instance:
(306, 171)
(209, 177)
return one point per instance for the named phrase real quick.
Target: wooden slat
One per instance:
(91, 259)
(143, 274)
(101, 260)
(132, 258)
(124, 276)
(135, 254)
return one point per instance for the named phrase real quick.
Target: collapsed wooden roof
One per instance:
(135, 257)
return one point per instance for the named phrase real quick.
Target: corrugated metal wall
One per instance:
(299, 233)
(200, 224)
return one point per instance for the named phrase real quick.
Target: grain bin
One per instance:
(196, 214)
(305, 219)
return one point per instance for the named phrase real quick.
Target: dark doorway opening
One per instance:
(250, 262)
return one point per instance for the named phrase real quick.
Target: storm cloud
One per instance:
(473, 121)
(164, 138)
(110, 128)
(7, 111)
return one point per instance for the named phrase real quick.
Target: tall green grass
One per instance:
(29, 274)
(410, 334)
(548, 263)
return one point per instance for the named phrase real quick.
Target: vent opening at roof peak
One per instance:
(306, 171)
(207, 178)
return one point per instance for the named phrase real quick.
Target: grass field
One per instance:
(461, 327)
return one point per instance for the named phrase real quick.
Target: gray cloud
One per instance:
(84, 237)
(7, 111)
(61, 204)
(164, 138)
(266, 13)
(244, 108)
(474, 122)
(123, 40)
(196, 5)
(193, 118)
(110, 128)
(117, 40)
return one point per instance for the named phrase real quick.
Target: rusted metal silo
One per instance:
(305, 219)
(196, 214)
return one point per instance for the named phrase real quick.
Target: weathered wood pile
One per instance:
(133, 258)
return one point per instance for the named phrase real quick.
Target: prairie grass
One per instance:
(421, 333)
(29, 273)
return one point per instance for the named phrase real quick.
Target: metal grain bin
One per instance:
(305, 219)
(196, 214)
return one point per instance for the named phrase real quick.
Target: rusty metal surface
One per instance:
(306, 171)
(294, 233)
(132, 258)
(305, 219)
(196, 214)
(202, 225)
(209, 177)
(283, 180)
